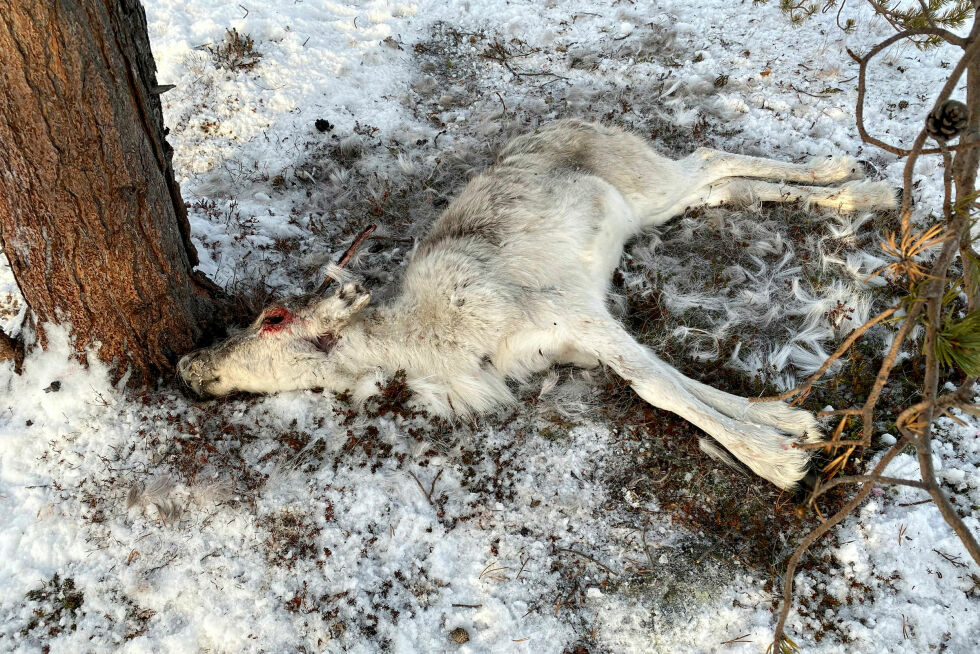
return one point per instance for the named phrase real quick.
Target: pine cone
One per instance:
(947, 120)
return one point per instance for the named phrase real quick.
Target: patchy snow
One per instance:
(151, 523)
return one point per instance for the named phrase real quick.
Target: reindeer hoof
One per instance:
(870, 170)
(899, 192)
(806, 486)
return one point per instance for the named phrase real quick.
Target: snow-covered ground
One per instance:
(578, 522)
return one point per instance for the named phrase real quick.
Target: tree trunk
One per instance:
(11, 349)
(91, 218)
(965, 172)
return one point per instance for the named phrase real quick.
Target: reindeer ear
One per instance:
(344, 304)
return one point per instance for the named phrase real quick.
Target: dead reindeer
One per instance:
(513, 278)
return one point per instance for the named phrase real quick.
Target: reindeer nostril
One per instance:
(193, 367)
(185, 363)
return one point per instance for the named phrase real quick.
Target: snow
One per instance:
(292, 523)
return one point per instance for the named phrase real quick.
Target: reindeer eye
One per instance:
(275, 319)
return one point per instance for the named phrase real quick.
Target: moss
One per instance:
(290, 538)
(58, 603)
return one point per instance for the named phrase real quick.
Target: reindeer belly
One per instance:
(613, 222)
(571, 244)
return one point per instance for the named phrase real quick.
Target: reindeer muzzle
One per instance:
(196, 372)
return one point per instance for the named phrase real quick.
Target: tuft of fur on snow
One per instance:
(156, 499)
(769, 289)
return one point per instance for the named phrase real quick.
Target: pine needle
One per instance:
(909, 246)
(958, 343)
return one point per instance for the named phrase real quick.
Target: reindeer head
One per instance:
(288, 347)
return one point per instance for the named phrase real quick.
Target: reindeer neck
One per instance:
(388, 338)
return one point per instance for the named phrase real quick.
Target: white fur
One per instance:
(514, 277)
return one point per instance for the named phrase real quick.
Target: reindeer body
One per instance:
(514, 277)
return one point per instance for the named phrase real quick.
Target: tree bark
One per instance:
(11, 349)
(91, 217)
(965, 171)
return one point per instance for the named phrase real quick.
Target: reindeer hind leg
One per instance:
(763, 447)
(850, 196)
(820, 170)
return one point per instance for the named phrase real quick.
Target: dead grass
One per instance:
(236, 52)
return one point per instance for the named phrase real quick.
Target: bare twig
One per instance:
(839, 412)
(490, 570)
(822, 529)
(812, 95)
(867, 412)
(923, 440)
(646, 550)
(839, 10)
(421, 487)
(432, 486)
(932, 30)
(523, 564)
(862, 74)
(954, 77)
(915, 422)
(860, 479)
(586, 556)
(162, 565)
(952, 558)
(838, 353)
(502, 103)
